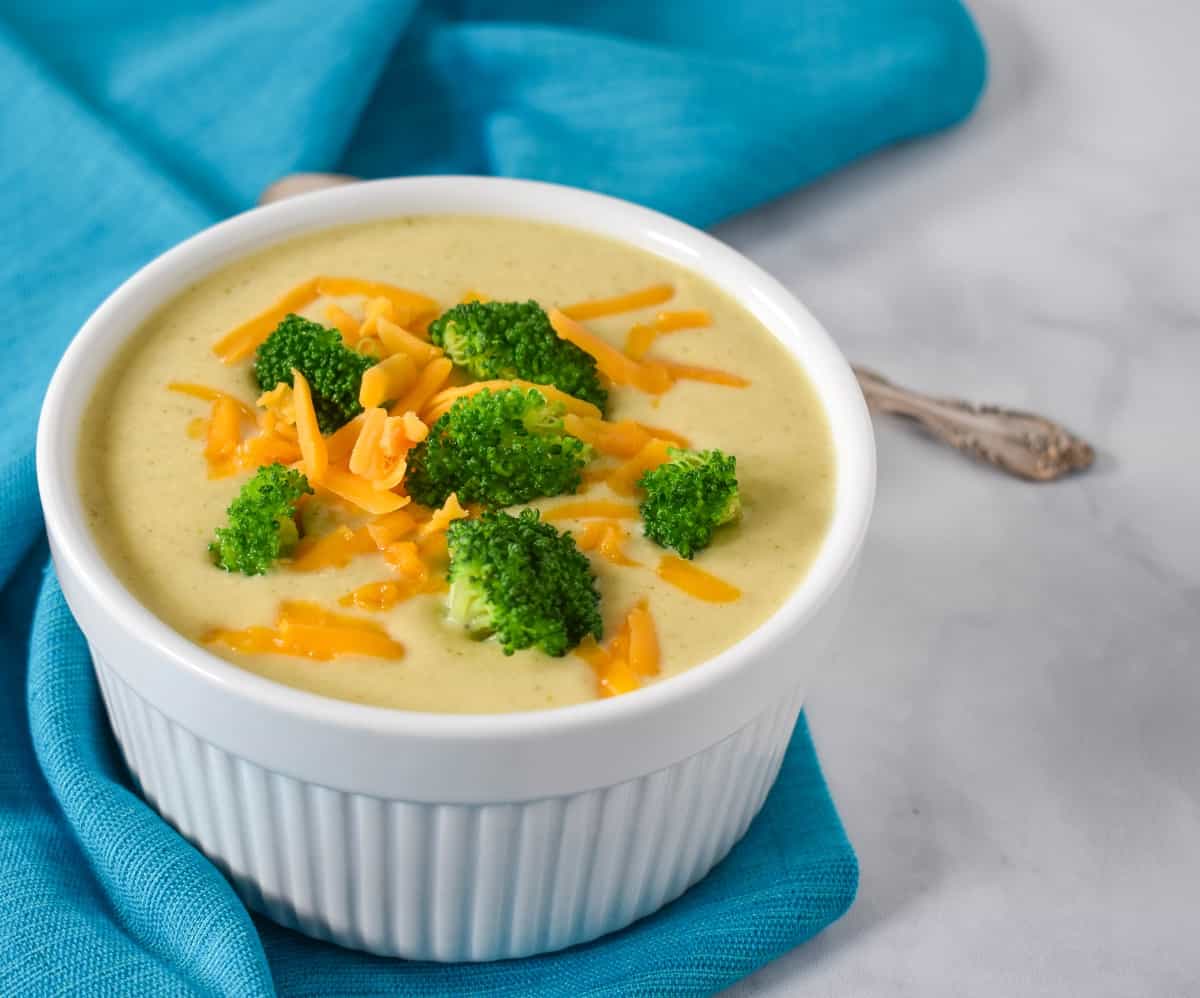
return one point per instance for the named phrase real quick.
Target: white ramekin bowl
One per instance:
(448, 837)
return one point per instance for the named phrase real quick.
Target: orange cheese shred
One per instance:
(405, 557)
(429, 381)
(268, 448)
(642, 336)
(690, 372)
(239, 343)
(610, 361)
(224, 430)
(586, 509)
(695, 581)
(379, 308)
(624, 478)
(694, 318)
(607, 537)
(470, 296)
(434, 548)
(420, 325)
(644, 654)
(592, 652)
(612, 546)
(594, 308)
(387, 529)
(363, 454)
(307, 630)
(678, 439)
(622, 439)
(223, 438)
(370, 346)
(617, 676)
(380, 454)
(361, 492)
(389, 379)
(614, 674)
(313, 451)
(451, 510)
(591, 535)
(397, 339)
(443, 400)
(335, 549)
(374, 596)
(406, 303)
(639, 340)
(207, 394)
(617, 439)
(343, 322)
(414, 428)
(339, 445)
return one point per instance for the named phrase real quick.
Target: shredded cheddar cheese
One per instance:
(610, 361)
(342, 441)
(363, 454)
(631, 654)
(690, 372)
(429, 381)
(695, 581)
(335, 549)
(642, 336)
(451, 510)
(361, 492)
(607, 537)
(389, 379)
(623, 480)
(387, 529)
(371, 346)
(313, 451)
(307, 630)
(206, 394)
(440, 404)
(406, 303)
(595, 308)
(644, 653)
(343, 322)
(405, 558)
(398, 340)
(240, 343)
(623, 439)
(224, 437)
(375, 596)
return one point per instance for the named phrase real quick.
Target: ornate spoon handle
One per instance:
(1021, 443)
(1018, 442)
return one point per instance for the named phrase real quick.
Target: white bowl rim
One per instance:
(169, 274)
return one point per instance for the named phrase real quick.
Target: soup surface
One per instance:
(153, 508)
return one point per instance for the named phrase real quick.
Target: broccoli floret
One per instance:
(688, 497)
(333, 370)
(520, 579)
(261, 525)
(514, 339)
(497, 448)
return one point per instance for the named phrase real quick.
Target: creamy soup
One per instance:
(153, 507)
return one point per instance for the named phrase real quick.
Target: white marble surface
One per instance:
(1012, 726)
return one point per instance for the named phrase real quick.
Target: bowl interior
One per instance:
(156, 284)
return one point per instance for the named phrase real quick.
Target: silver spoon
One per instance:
(1021, 443)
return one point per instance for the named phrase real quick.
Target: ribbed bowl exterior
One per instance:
(451, 882)
(452, 837)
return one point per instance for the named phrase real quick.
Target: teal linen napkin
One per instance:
(125, 127)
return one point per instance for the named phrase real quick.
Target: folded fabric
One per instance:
(126, 128)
